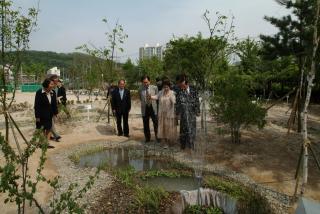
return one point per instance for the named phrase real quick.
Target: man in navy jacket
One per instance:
(121, 106)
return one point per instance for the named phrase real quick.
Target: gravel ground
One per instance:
(279, 201)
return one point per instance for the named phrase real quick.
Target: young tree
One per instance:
(232, 105)
(105, 55)
(310, 78)
(15, 31)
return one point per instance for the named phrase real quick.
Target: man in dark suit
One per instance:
(121, 105)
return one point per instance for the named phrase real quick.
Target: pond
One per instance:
(139, 160)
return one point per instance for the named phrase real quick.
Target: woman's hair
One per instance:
(46, 82)
(166, 82)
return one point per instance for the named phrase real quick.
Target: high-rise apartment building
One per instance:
(147, 52)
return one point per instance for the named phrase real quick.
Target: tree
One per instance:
(131, 73)
(293, 39)
(15, 31)
(201, 58)
(105, 55)
(277, 75)
(151, 66)
(37, 69)
(232, 105)
(310, 78)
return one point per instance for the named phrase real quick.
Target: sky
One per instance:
(64, 25)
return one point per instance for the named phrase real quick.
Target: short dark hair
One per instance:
(145, 77)
(46, 82)
(53, 77)
(182, 78)
(121, 80)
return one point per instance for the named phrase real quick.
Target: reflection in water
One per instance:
(122, 158)
(140, 161)
(173, 184)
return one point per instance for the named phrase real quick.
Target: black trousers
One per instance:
(146, 118)
(122, 116)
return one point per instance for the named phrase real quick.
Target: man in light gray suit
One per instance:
(148, 107)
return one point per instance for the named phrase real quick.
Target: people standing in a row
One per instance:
(45, 108)
(148, 107)
(121, 106)
(181, 103)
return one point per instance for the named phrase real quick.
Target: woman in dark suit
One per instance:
(45, 107)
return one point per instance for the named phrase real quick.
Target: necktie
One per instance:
(148, 102)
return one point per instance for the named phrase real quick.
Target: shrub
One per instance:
(232, 105)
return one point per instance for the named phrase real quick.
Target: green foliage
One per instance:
(164, 173)
(188, 55)
(21, 187)
(294, 41)
(131, 74)
(233, 189)
(75, 157)
(198, 57)
(232, 105)
(152, 67)
(125, 176)
(197, 209)
(249, 201)
(150, 198)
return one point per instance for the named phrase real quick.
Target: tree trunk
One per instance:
(310, 78)
(235, 134)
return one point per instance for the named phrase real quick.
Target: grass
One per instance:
(144, 175)
(75, 157)
(150, 197)
(249, 201)
(234, 190)
(146, 197)
(197, 209)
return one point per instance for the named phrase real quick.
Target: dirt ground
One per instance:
(268, 156)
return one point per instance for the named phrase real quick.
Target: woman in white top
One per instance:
(167, 129)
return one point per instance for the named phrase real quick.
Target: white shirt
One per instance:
(188, 90)
(121, 91)
(48, 95)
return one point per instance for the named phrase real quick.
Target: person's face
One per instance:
(121, 84)
(183, 85)
(59, 84)
(146, 82)
(166, 88)
(51, 85)
(55, 81)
